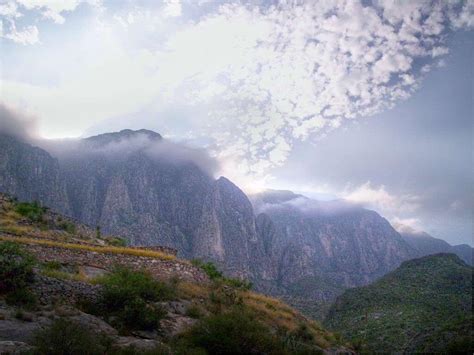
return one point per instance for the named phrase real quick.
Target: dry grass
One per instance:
(190, 290)
(92, 248)
(58, 274)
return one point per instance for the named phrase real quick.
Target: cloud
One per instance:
(13, 10)
(267, 76)
(380, 199)
(121, 148)
(17, 124)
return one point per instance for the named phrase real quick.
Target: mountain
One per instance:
(425, 244)
(30, 173)
(139, 185)
(321, 248)
(62, 292)
(151, 191)
(424, 306)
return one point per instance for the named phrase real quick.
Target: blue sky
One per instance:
(369, 101)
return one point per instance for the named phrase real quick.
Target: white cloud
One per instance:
(380, 199)
(267, 77)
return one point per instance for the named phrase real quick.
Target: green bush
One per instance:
(22, 297)
(31, 210)
(68, 227)
(214, 274)
(16, 267)
(234, 332)
(130, 297)
(209, 268)
(66, 337)
(117, 242)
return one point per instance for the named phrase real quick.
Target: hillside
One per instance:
(65, 285)
(423, 306)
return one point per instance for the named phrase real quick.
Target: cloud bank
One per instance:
(265, 75)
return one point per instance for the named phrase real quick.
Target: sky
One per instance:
(369, 101)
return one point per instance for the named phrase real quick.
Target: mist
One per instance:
(23, 127)
(17, 124)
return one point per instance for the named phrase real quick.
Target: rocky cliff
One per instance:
(139, 185)
(324, 247)
(30, 173)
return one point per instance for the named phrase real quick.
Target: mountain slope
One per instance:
(423, 306)
(166, 305)
(323, 247)
(30, 173)
(425, 244)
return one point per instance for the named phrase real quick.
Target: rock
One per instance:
(137, 343)
(14, 347)
(16, 330)
(175, 324)
(93, 323)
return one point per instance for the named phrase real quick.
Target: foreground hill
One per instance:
(423, 306)
(425, 244)
(66, 288)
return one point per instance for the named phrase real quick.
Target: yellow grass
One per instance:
(92, 248)
(192, 290)
(57, 274)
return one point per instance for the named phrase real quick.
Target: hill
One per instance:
(423, 306)
(67, 287)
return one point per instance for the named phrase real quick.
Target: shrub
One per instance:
(31, 210)
(209, 268)
(16, 267)
(128, 297)
(117, 242)
(66, 337)
(22, 297)
(68, 227)
(214, 274)
(234, 332)
(194, 311)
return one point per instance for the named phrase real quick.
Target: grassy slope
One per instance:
(424, 305)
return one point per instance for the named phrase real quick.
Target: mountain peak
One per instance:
(116, 137)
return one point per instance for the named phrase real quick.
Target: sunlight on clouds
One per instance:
(267, 76)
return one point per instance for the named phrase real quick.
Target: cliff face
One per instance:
(30, 173)
(227, 233)
(323, 247)
(127, 184)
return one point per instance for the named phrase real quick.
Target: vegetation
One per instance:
(129, 298)
(66, 337)
(16, 273)
(16, 267)
(68, 227)
(31, 210)
(425, 301)
(216, 275)
(93, 248)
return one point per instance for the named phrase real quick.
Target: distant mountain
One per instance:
(425, 244)
(321, 248)
(424, 306)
